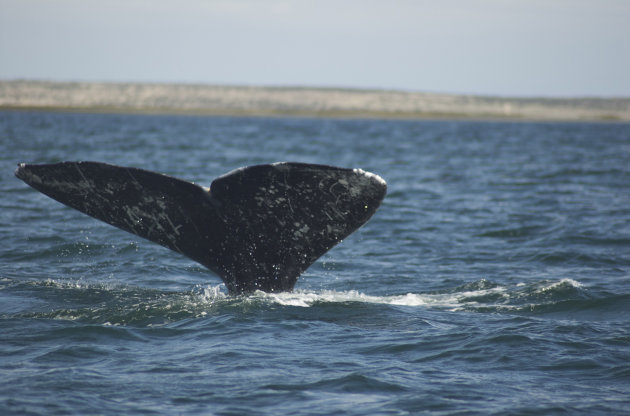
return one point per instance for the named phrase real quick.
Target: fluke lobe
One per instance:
(257, 227)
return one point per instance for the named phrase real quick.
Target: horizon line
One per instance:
(323, 87)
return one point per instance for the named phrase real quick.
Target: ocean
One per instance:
(494, 278)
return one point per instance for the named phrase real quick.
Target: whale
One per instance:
(257, 227)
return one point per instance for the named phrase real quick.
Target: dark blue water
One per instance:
(494, 279)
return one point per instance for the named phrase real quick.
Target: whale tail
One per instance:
(257, 227)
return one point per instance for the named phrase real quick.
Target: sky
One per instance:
(550, 48)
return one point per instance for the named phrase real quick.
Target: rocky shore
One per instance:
(299, 101)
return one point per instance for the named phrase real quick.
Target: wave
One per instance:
(110, 304)
(482, 295)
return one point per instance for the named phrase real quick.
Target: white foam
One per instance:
(563, 282)
(453, 301)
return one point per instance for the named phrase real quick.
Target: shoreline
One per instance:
(252, 101)
(306, 115)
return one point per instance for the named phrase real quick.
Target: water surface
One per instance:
(494, 279)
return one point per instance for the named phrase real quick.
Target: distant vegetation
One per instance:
(298, 101)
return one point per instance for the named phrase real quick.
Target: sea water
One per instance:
(494, 279)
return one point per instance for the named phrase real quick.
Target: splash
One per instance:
(112, 304)
(479, 296)
(308, 299)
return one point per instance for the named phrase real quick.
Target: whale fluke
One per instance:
(257, 227)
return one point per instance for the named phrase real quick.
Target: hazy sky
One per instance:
(498, 47)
